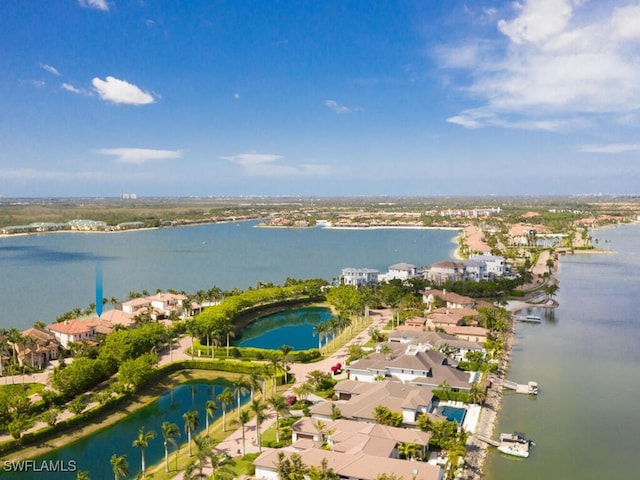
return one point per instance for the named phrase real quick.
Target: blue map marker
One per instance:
(99, 288)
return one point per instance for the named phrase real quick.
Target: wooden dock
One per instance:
(531, 388)
(527, 319)
(488, 441)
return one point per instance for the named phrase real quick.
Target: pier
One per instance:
(527, 319)
(531, 388)
(487, 440)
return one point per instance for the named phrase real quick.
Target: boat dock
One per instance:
(527, 319)
(488, 441)
(531, 388)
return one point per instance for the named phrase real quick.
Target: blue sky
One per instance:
(267, 97)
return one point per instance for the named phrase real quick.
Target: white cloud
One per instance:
(610, 148)
(538, 21)
(268, 165)
(120, 91)
(626, 22)
(236, 96)
(97, 4)
(50, 69)
(139, 156)
(555, 63)
(78, 91)
(336, 107)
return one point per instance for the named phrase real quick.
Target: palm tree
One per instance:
(274, 359)
(477, 394)
(191, 423)
(254, 382)
(240, 386)
(303, 391)
(333, 324)
(258, 407)
(210, 410)
(192, 330)
(169, 430)
(286, 350)
(143, 442)
(226, 400)
(119, 466)
(321, 331)
(205, 450)
(281, 409)
(245, 416)
(445, 389)
(83, 475)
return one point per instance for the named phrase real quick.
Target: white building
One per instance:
(401, 271)
(359, 277)
(496, 266)
(72, 331)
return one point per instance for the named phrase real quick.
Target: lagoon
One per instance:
(93, 452)
(292, 327)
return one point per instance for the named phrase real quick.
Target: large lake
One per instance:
(44, 276)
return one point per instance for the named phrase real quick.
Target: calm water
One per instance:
(293, 327)
(46, 275)
(94, 452)
(586, 357)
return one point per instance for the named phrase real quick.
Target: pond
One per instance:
(291, 327)
(93, 453)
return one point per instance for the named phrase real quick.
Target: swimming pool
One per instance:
(453, 413)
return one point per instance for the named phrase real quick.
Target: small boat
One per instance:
(514, 450)
(516, 444)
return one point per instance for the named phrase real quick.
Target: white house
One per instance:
(400, 271)
(72, 331)
(359, 277)
(495, 265)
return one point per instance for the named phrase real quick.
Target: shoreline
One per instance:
(477, 450)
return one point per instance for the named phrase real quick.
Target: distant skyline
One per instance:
(307, 98)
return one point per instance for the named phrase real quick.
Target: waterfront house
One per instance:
(359, 277)
(113, 318)
(72, 331)
(496, 266)
(166, 302)
(400, 271)
(358, 400)
(446, 271)
(409, 364)
(136, 305)
(450, 345)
